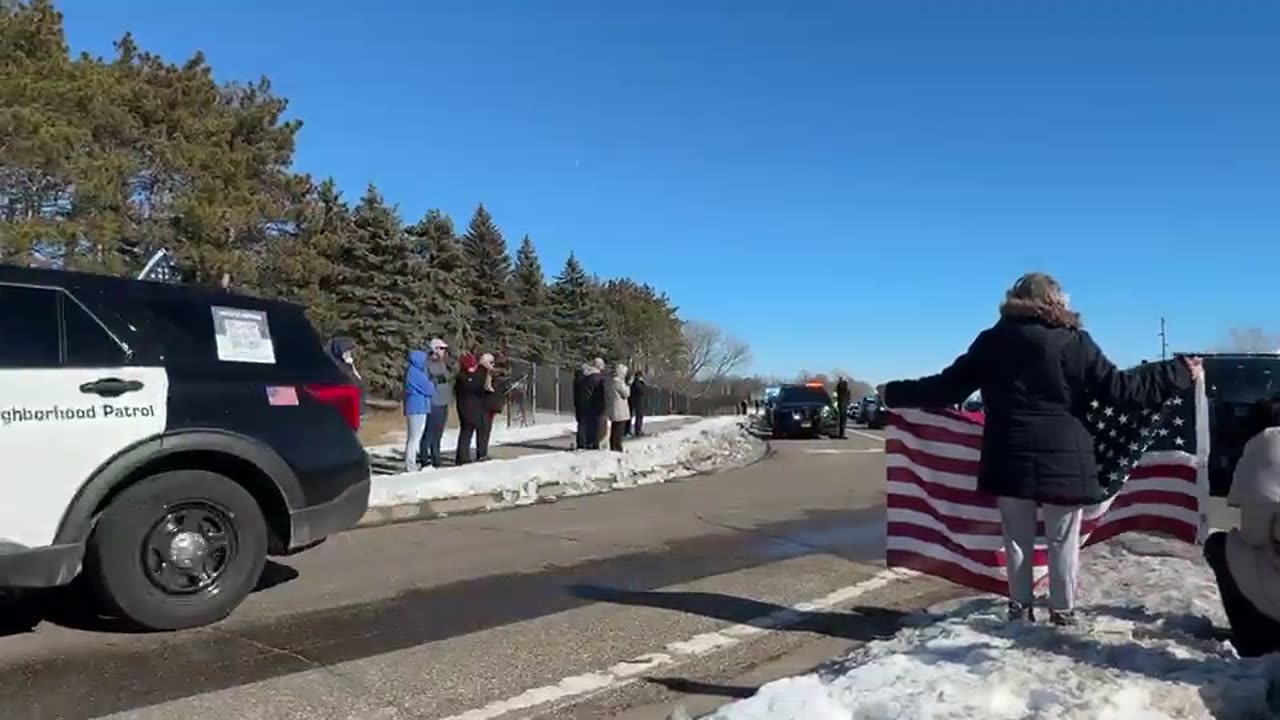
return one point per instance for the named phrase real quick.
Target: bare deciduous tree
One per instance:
(1252, 340)
(711, 355)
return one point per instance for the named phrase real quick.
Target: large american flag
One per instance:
(1153, 460)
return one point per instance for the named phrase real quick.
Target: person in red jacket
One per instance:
(470, 390)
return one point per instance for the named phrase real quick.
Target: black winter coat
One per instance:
(636, 401)
(580, 395)
(496, 401)
(1036, 377)
(842, 393)
(472, 397)
(595, 394)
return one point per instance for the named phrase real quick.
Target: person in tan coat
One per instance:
(618, 410)
(1246, 560)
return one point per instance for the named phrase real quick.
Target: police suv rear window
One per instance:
(186, 329)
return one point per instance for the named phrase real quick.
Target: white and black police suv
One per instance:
(159, 441)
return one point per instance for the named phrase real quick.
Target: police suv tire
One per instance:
(113, 558)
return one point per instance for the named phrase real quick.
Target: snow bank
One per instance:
(655, 458)
(1147, 648)
(503, 435)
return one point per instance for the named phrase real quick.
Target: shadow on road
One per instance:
(538, 445)
(73, 607)
(860, 623)
(696, 687)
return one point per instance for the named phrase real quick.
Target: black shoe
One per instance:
(1063, 618)
(1018, 611)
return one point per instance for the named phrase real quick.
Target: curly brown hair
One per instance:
(1039, 296)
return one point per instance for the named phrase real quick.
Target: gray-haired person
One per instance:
(441, 375)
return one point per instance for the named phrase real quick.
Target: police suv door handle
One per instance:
(111, 387)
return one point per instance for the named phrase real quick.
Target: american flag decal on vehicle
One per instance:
(282, 395)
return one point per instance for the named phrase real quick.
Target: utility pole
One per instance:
(1164, 341)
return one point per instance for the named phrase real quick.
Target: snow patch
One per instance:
(1150, 647)
(684, 451)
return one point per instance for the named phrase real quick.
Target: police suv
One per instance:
(159, 441)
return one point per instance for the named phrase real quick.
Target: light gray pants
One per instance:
(1062, 535)
(417, 424)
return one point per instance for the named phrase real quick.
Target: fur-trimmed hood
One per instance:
(1053, 315)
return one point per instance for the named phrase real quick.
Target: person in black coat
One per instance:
(580, 399)
(596, 387)
(1037, 368)
(638, 389)
(472, 405)
(494, 394)
(842, 404)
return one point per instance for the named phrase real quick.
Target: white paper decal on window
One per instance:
(243, 335)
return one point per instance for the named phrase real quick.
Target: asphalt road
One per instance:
(604, 605)
(616, 605)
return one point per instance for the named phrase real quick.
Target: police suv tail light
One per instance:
(344, 397)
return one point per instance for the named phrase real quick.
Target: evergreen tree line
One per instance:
(104, 161)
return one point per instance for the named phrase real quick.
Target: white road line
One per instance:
(877, 438)
(628, 671)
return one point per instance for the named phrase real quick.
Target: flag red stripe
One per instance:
(938, 433)
(946, 570)
(1178, 529)
(966, 526)
(953, 523)
(1155, 497)
(928, 460)
(1165, 470)
(959, 496)
(976, 499)
(932, 536)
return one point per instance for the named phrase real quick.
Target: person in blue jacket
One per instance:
(418, 391)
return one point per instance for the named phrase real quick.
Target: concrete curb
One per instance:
(546, 493)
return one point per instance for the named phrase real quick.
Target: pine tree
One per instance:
(535, 333)
(488, 281)
(301, 265)
(578, 314)
(378, 293)
(446, 307)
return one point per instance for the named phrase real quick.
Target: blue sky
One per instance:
(837, 183)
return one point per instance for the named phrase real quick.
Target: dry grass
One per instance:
(379, 424)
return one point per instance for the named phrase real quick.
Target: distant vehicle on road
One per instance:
(1233, 383)
(973, 404)
(166, 439)
(864, 408)
(876, 415)
(803, 410)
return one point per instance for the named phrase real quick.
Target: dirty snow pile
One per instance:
(701, 446)
(1150, 645)
(502, 435)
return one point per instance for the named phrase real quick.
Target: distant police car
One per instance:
(164, 439)
(802, 410)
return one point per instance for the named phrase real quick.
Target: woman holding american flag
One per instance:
(1038, 371)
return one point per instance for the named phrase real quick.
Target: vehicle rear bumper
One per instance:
(40, 567)
(310, 525)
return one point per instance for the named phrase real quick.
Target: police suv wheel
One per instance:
(177, 550)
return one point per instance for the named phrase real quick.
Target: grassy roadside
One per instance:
(379, 425)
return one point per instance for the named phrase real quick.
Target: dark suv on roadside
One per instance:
(1233, 383)
(161, 440)
(803, 410)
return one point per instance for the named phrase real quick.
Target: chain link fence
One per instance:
(543, 392)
